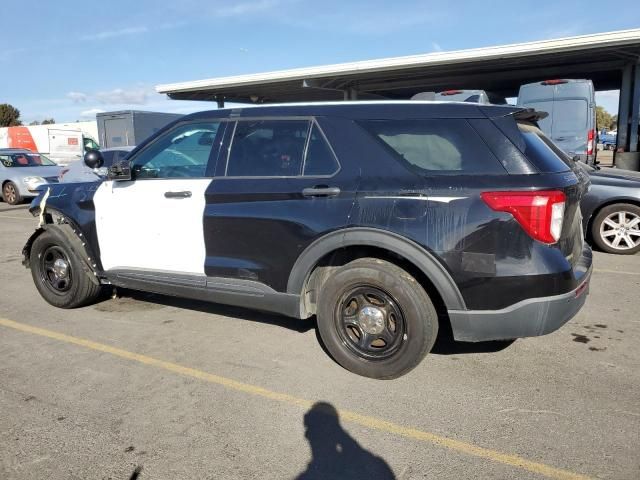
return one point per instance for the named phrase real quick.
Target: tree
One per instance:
(614, 123)
(603, 118)
(9, 115)
(48, 121)
(35, 122)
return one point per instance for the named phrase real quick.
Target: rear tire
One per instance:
(10, 193)
(616, 229)
(58, 274)
(375, 319)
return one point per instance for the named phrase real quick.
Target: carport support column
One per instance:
(635, 111)
(350, 94)
(623, 108)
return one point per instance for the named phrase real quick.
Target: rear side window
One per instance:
(541, 151)
(436, 146)
(268, 148)
(320, 160)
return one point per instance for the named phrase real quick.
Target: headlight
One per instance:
(32, 182)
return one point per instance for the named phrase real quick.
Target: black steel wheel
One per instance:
(375, 319)
(58, 273)
(370, 322)
(55, 270)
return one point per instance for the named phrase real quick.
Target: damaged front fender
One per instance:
(73, 242)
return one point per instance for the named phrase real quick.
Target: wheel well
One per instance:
(342, 256)
(604, 205)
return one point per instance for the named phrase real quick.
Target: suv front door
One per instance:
(154, 221)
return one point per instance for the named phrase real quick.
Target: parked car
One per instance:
(571, 105)
(611, 210)
(79, 172)
(382, 219)
(22, 172)
(608, 141)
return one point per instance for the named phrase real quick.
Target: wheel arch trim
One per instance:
(75, 243)
(362, 236)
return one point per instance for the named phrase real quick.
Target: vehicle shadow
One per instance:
(296, 325)
(444, 345)
(335, 454)
(447, 345)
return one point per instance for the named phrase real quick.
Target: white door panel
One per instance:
(139, 228)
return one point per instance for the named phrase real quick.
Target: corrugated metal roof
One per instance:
(499, 68)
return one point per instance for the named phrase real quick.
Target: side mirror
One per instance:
(93, 159)
(120, 171)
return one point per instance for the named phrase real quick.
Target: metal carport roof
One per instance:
(501, 69)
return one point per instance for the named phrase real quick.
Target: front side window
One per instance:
(268, 148)
(435, 146)
(182, 152)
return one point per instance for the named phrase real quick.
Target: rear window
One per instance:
(541, 151)
(435, 146)
(569, 117)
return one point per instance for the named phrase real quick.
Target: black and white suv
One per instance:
(382, 219)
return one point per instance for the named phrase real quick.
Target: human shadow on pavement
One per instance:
(335, 454)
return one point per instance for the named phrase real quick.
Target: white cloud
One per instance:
(77, 97)
(116, 33)
(246, 8)
(435, 47)
(91, 112)
(136, 96)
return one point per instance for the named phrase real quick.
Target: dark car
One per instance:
(611, 210)
(385, 220)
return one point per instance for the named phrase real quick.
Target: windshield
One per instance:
(25, 159)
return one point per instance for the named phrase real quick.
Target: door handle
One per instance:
(321, 191)
(185, 194)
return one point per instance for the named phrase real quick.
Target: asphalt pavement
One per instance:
(150, 387)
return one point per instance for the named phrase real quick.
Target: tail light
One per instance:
(540, 213)
(451, 92)
(590, 136)
(553, 82)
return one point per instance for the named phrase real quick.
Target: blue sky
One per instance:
(68, 59)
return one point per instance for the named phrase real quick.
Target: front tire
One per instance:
(375, 319)
(616, 229)
(11, 194)
(58, 274)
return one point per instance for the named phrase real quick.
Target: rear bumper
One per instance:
(528, 318)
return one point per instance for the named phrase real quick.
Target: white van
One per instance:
(571, 105)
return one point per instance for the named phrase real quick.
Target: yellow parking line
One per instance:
(363, 420)
(621, 272)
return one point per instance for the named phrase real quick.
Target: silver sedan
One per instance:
(23, 172)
